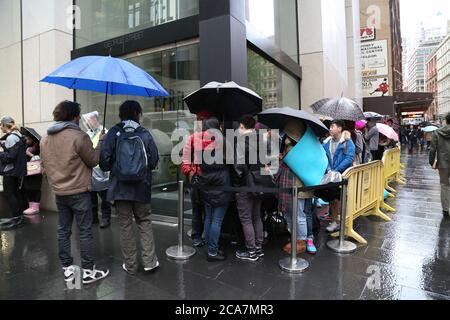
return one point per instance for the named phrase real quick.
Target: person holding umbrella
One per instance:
(33, 181)
(411, 136)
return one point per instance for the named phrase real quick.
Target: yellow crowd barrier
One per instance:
(392, 169)
(364, 196)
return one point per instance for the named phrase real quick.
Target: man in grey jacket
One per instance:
(439, 159)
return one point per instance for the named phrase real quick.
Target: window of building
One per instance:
(287, 92)
(275, 20)
(177, 69)
(106, 19)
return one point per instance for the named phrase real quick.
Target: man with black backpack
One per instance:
(130, 154)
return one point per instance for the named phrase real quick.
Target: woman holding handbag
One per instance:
(33, 180)
(13, 168)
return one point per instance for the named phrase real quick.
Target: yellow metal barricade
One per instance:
(365, 196)
(392, 169)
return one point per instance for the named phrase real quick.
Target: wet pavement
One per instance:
(407, 258)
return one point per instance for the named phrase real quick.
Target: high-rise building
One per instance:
(417, 64)
(443, 77)
(432, 85)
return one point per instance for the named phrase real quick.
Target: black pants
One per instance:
(105, 206)
(14, 196)
(376, 155)
(78, 206)
(32, 188)
(197, 215)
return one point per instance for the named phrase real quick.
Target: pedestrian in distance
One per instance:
(130, 154)
(67, 160)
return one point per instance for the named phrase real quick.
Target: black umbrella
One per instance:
(276, 118)
(225, 100)
(338, 108)
(31, 132)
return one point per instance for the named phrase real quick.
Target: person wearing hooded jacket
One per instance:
(213, 175)
(67, 159)
(132, 199)
(340, 151)
(14, 163)
(439, 158)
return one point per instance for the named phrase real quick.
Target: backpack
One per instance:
(131, 161)
(20, 163)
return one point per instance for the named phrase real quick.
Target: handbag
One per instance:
(255, 181)
(34, 168)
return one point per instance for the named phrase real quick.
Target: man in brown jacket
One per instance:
(67, 159)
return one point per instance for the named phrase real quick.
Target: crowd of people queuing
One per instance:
(116, 166)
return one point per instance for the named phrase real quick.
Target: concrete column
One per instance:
(223, 41)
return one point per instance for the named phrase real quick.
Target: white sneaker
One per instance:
(151, 269)
(93, 275)
(69, 273)
(333, 227)
(124, 267)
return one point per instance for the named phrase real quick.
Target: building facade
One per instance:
(288, 51)
(432, 85)
(417, 64)
(443, 77)
(381, 46)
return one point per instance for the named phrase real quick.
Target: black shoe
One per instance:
(260, 252)
(93, 275)
(445, 213)
(198, 243)
(105, 224)
(217, 257)
(247, 255)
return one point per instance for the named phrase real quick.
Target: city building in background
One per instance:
(288, 51)
(443, 77)
(432, 85)
(417, 64)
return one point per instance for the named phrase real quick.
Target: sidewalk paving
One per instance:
(412, 253)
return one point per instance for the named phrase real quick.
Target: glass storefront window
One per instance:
(177, 70)
(106, 19)
(275, 86)
(275, 20)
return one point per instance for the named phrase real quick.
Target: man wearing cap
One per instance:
(100, 179)
(14, 168)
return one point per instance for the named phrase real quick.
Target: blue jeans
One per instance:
(80, 207)
(304, 219)
(213, 225)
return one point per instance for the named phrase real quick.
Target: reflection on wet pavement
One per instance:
(407, 258)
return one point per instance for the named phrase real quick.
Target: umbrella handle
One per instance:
(106, 101)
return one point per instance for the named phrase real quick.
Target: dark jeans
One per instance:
(249, 209)
(12, 187)
(80, 206)
(105, 205)
(197, 215)
(213, 225)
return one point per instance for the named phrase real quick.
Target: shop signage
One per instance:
(368, 34)
(374, 58)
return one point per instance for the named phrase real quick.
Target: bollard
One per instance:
(180, 251)
(342, 245)
(294, 264)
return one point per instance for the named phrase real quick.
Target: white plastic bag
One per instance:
(331, 177)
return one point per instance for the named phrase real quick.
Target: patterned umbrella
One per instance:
(373, 115)
(338, 108)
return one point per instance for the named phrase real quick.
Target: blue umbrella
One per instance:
(107, 75)
(430, 129)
